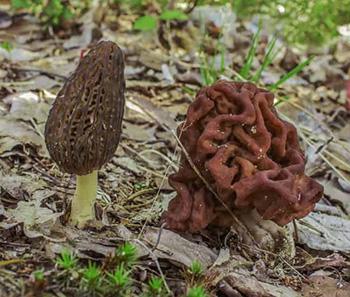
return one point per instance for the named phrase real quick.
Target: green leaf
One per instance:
(18, 4)
(54, 8)
(145, 23)
(196, 268)
(268, 58)
(197, 291)
(169, 15)
(127, 253)
(245, 71)
(291, 73)
(6, 45)
(67, 14)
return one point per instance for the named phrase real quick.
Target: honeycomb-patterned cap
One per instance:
(84, 125)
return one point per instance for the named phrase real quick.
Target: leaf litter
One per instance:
(253, 259)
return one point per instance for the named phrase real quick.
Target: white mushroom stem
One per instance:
(84, 199)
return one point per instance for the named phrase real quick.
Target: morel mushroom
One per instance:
(84, 124)
(246, 153)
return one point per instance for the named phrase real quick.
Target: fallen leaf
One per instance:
(19, 55)
(17, 186)
(126, 162)
(324, 232)
(178, 249)
(20, 132)
(27, 106)
(138, 132)
(37, 221)
(335, 193)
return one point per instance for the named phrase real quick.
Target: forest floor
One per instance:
(164, 70)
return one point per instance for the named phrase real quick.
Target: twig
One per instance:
(159, 236)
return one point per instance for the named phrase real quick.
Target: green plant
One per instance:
(245, 70)
(131, 4)
(51, 12)
(209, 71)
(268, 58)
(197, 291)
(67, 260)
(301, 21)
(156, 287)
(120, 279)
(291, 73)
(38, 275)
(145, 23)
(150, 22)
(92, 277)
(126, 254)
(196, 268)
(6, 45)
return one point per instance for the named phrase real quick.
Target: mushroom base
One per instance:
(82, 209)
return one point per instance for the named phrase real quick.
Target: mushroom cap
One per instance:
(248, 155)
(84, 124)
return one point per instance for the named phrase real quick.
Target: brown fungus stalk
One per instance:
(84, 124)
(246, 153)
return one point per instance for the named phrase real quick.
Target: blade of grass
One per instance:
(290, 74)
(208, 70)
(280, 100)
(222, 58)
(244, 72)
(269, 57)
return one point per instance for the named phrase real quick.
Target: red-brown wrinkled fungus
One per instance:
(246, 153)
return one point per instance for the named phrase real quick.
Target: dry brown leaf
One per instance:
(324, 232)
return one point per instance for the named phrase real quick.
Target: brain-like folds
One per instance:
(246, 153)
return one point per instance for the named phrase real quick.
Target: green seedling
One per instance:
(120, 279)
(66, 260)
(6, 45)
(126, 254)
(156, 287)
(196, 268)
(92, 276)
(197, 291)
(38, 275)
